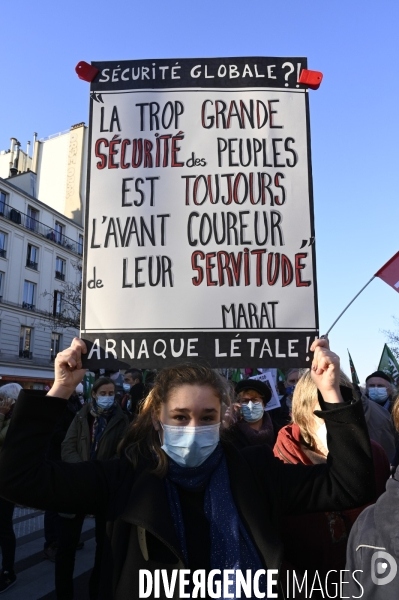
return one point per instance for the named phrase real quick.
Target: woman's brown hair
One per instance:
(141, 437)
(100, 382)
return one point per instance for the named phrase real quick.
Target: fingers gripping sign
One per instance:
(326, 371)
(68, 370)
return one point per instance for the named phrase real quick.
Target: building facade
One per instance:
(56, 171)
(40, 262)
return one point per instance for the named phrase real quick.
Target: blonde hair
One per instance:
(305, 401)
(395, 413)
(141, 437)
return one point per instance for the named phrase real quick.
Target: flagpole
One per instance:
(351, 302)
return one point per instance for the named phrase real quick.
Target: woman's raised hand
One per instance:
(326, 371)
(68, 370)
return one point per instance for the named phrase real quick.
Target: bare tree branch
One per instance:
(70, 305)
(393, 338)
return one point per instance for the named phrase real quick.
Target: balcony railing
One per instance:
(36, 226)
(31, 264)
(60, 276)
(25, 354)
(28, 306)
(31, 307)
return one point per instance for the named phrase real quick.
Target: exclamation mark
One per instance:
(307, 347)
(298, 72)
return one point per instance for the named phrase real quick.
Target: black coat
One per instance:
(140, 529)
(60, 430)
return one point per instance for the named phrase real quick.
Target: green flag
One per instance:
(388, 363)
(236, 376)
(280, 375)
(355, 378)
(88, 382)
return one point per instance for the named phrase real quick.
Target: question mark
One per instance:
(288, 73)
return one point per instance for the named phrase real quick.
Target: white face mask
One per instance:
(252, 412)
(321, 434)
(105, 401)
(190, 446)
(378, 394)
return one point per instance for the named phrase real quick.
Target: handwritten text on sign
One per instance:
(199, 225)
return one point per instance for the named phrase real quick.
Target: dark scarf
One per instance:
(101, 419)
(231, 546)
(265, 435)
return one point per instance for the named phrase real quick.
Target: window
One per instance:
(25, 342)
(32, 218)
(57, 307)
(3, 240)
(2, 275)
(32, 257)
(29, 295)
(3, 198)
(60, 268)
(59, 232)
(55, 344)
(80, 245)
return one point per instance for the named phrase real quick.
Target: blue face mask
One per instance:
(290, 390)
(105, 402)
(252, 412)
(378, 394)
(190, 446)
(126, 387)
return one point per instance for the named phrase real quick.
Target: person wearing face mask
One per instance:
(317, 541)
(134, 392)
(379, 389)
(182, 497)
(94, 434)
(250, 423)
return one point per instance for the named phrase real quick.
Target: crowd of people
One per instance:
(183, 470)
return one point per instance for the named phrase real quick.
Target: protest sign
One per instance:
(199, 214)
(268, 379)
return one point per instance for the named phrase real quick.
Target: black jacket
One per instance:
(73, 406)
(140, 529)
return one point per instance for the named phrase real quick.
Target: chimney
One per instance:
(12, 146)
(25, 167)
(14, 169)
(35, 153)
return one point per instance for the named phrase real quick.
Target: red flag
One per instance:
(390, 272)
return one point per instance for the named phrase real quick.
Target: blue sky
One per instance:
(354, 120)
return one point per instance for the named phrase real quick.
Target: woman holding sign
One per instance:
(317, 542)
(186, 510)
